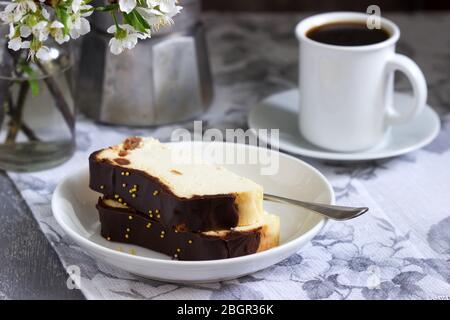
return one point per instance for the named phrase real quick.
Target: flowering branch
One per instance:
(33, 22)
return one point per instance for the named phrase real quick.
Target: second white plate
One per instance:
(280, 111)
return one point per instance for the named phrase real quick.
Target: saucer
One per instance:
(73, 206)
(279, 111)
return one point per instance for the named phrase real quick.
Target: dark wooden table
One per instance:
(29, 267)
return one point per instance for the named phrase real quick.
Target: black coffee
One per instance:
(347, 34)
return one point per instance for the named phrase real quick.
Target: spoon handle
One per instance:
(334, 212)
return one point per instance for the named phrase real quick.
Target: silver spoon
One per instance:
(330, 211)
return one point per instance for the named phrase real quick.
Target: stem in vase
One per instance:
(60, 101)
(16, 120)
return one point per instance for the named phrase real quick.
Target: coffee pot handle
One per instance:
(415, 76)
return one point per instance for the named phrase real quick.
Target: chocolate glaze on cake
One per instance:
(121, 224)
(147, 194)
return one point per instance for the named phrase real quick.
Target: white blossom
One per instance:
(78, 24)
(126, 37)
(152, 16)
(76, 5)
(32, 23)
(159, 12)
(25, 5)
(28, 5)
(127, 5)
(15, 44)
(57, 31)
(25, 31)
(45, 53)
(169, 8)
(15, 41)
(9, 15)
(15, 11)
(45, 14)
(155, 3)
(40, 30)
(79, 27)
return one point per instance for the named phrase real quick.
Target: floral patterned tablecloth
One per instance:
(400, 250)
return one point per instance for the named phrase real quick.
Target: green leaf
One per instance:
(128, 18)
(87, 10)
(32, 81)
(141, 20)
(135, 19)
(34, 85)
(63, 16)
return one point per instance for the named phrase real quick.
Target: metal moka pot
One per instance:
(164, 79)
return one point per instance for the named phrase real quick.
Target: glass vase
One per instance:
(37, 112)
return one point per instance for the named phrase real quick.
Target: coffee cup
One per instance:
(347, 81)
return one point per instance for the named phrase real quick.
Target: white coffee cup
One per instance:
(346, 92)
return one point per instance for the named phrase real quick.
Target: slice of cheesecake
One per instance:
(120, 223)
(190, 196)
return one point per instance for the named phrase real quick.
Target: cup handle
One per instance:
(405, 65)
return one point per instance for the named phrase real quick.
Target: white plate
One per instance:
(73, 206)
(279, 111)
